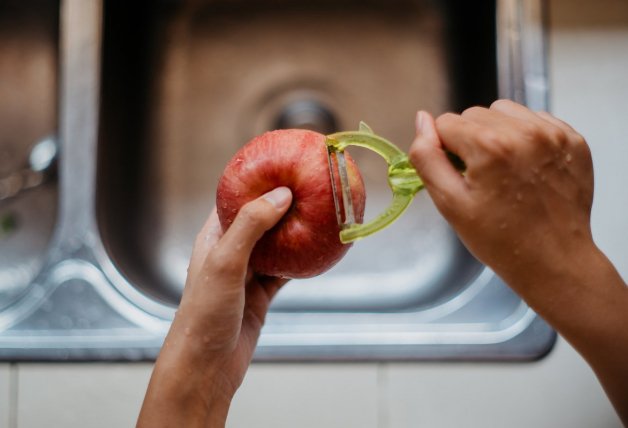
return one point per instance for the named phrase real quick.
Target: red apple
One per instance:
(305, 242)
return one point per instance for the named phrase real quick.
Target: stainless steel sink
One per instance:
(157, 96)
(28, 113)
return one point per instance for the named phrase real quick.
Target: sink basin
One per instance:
(219, 76)
(28, 113)
(155, 104)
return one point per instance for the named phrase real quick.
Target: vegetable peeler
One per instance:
(402, 179)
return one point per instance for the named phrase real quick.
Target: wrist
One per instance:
(579, 293)
(200, 371)
(194, 388)
(548, 275)
(187, 394)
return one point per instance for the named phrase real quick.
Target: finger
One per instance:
(556, 121)
(456, 134)
(427, 154)
(272, 284)
(508, 119)
(253, 219)
(561, 124)
(540, 129)
(261, 291)
(480, 115)
(489, 118)
(259, 295)
(208, 236)
(516, 110)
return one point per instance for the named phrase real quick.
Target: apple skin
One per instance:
(305, 242)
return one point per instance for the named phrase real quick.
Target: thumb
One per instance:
(253, 219)
(427, 154)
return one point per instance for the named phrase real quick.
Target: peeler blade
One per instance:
(345, 214)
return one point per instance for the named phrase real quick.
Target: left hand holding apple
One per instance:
(212, 338)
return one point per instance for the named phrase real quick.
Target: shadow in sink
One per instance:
(29, 33)
(185, 85)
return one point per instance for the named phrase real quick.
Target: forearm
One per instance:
(185, 390)
(586, 301)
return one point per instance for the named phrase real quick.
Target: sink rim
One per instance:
(77, 241)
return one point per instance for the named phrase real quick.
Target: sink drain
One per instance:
(307, 114)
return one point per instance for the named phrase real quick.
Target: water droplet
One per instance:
(233, 210)
(568, 158)
(516, 252)
(519, 196)
(535, 171)
(187, 331)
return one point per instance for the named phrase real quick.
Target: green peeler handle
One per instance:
(402, 178)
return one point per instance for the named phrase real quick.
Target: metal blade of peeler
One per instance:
(345, 217)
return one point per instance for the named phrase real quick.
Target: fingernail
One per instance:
(419, 122)
(279, 197)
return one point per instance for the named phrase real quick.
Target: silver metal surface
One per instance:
(41, 163)
(306, 114)
(28, 113)
(337, 162)
(143, 145)
(522, 52)
(334, 189)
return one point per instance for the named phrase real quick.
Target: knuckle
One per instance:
(496, 149)
(490, 140)
(249, 213)
(556, 135)
(414, 154)
(501, 104)
(473, 111)
(581, 146)
(417, 154)
(532, 132)
(445, 119)
(253, 218)
(579, 140)
(499, 155)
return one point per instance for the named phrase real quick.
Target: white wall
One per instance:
(589, 71)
